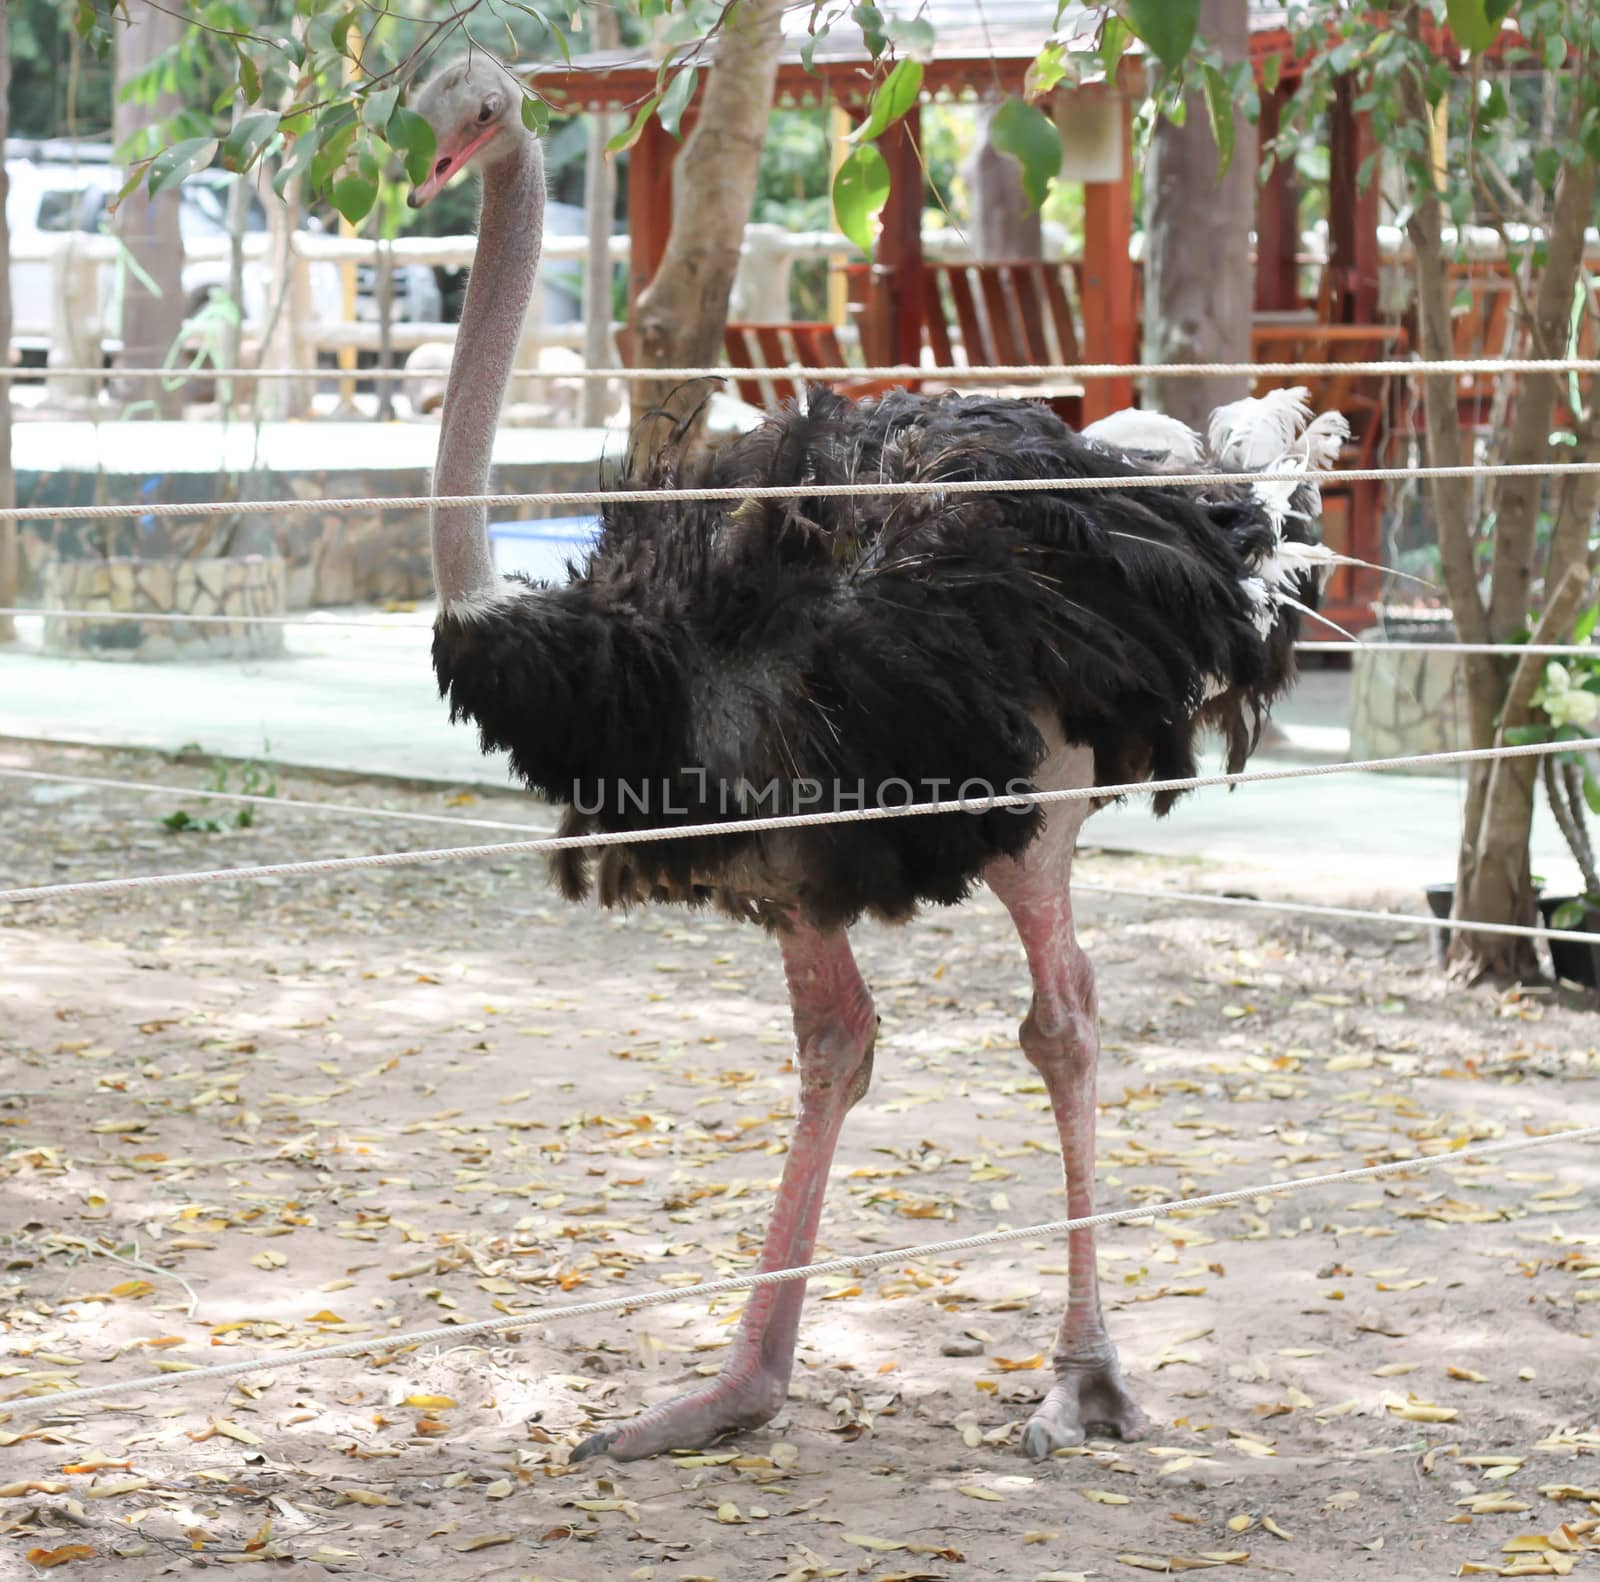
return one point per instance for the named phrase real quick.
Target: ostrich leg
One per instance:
(1061, 1039)
(834, 1026)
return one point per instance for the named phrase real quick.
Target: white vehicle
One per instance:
(56, 189)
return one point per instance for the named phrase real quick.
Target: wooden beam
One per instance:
(1352, 214)
(900, 241)
(649, 205)
(1277, 220)
(1108, 289)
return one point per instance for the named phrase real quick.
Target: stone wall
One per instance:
(328, 558)
(1404, 703)
(253, 585)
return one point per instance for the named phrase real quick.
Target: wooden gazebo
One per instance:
(983, 56)
(973, 60)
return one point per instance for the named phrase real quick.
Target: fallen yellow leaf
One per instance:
(975, 1491)
(1100, 1497)
(45, 1558)
(428, 1403)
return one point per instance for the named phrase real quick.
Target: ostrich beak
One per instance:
(454, 153)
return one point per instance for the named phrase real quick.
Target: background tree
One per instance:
(1518, 556)
(1199, 212)
(146, 221)
(9, 567)
(680, 316)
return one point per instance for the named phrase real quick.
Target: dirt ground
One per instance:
(250, 1119)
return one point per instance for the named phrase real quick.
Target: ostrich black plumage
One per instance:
(707, 664)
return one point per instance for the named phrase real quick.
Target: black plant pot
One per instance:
(1441, 897)
(1572, 961)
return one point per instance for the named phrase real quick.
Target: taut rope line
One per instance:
(40, 1406)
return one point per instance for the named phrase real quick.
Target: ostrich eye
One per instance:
(486, 114)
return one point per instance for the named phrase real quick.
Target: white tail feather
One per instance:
(1326, 435)
(1152, 432)
(1249, 434)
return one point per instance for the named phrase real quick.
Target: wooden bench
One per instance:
(1009, 314)
(771, 350)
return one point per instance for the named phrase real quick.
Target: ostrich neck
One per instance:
(498, 292)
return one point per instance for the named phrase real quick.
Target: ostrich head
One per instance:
(474, 107)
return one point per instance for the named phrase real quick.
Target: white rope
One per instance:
(374, 625)
(791, 491)
(184, 793)
(1008, 373)
(1549, 650)
(455, 1334)
(757, 826)
(1200, 897)
(1352, 913)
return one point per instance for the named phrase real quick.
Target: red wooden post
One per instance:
(1352, 214)
(1108, 306)
(900, 243)
(1277, 221)
(649, 205)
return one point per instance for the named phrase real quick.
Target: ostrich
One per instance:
(708, 663)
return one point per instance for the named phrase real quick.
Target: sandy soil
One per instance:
(251, 1119)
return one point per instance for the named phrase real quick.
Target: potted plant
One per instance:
(1568, 700)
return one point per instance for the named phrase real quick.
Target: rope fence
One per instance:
(28, 1408)
(756, 826)
(1396, 920)
(1009, 373)
(177, 509)
(251, 799)
(377, 624)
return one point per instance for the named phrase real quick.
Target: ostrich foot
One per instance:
(687, 1422)
(1085, 1402)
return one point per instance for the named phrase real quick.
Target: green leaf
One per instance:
(250, 135)
(1115, 37)
(1471, 24)
(896, 94)
(1526, 735)
(1167, 26)
(1219, 110)
(1546, 167)
(630, 134)
(870, 20)
(1046, 69)
(249, 77)
(1030, 137)
(912, 37)
(1591, 791)
(353, 196)
(808, 49)
(1271, 72)
(1568, 915)
(376, 108)
(170, 167)
(860, 190)
(411, 136)
(535, 114)
(340, 32)
(676, 99)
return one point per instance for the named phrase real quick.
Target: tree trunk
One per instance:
(1198, 287)
(1005, 225)
(9, 559)
(1494, 883)
(148, 227)
(682, 313)
(600, 204)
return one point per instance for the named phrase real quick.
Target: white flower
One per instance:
(1563, 703)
